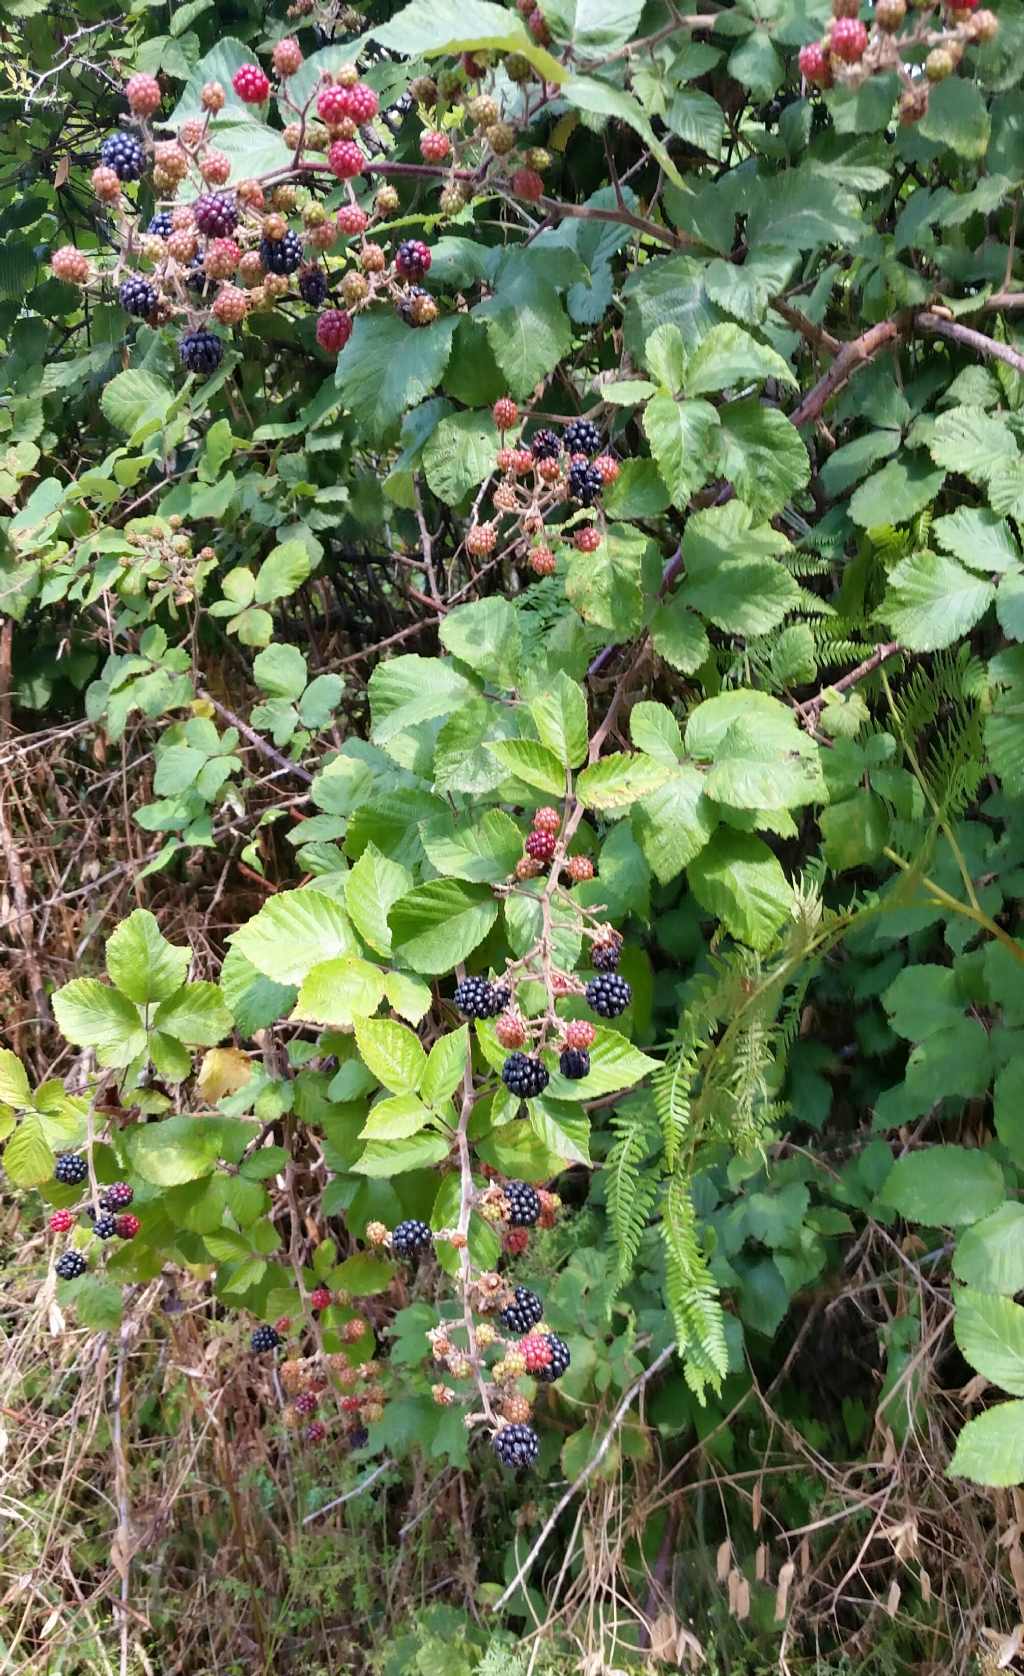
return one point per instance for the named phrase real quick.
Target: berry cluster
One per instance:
(71, 1169)
(231, 252)
(311, 1383)
(850, 51)
(538, 477)
(471, 124)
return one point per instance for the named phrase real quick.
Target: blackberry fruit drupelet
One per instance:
(160, 224)
(523, 1205)
(410, 1238)
(574, 1063)
(215, 214)
(559, 1362)
(524, 1075)
(545, 446)
(524, 1313)
(201, 351)
(71, 1265)
(313, 286)
(123, 153)
(585, 483)
(264, 1339)
(609, 995)
(137, 296)
(71, 1168)
(516, 1446)
(582, 437)
(281, 256)
(479, 998)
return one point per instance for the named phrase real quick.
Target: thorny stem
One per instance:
(977, 915)
(466, 1196)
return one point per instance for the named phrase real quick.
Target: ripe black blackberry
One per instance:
(410, 1238)
(196, 275)
(104, 1226)
(215, 214)
(123, 153)
(70, 1168)
(479, 998)
(559, 1362)
(523, 1205)
(585, 483)
(264, 1339)
(281, 256)
(524, 1075)
(545, 446)
(604, 957)
(582, 437)
(358, 1437)
(161, 224)
(516, 1446)
(520, 1316)
(609, 995)
(137, 296)
(574, 1063)
(313, 286)
(71, 1265)
(117, 1196)
(201, 351)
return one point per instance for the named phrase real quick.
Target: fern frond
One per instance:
(692, 1295)
(631, 1191)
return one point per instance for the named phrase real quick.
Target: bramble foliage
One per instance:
(531, 499)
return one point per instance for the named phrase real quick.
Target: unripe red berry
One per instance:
(528, 868)
(848, 39)
(127, 1226)
(352, 219)
(331, 105)
(537, 24)
(70, 265)
(319, 1298)
(373, 259)
(516, 1409)
(251, 84)
(579, 868)
(231, 305)
(535, 1351)
(549, 471)
(222, 258)
(608, 468)
(333, 330)
(62, 1221)
(579, 1033)
(504, 458)
(542, 561)
(473, 67)
(434, 146)
(587, 538)
(346, 159)
(984, 26)
(181, 247)
(315, 1432)
(547, 819)
(361, 103)
(324, 235)
(505, 413)
(814, 65)
(143, 94)
(540, 845)
(215, 168)
(287, 56)
(106, 185)
(527, 184)
(481, 539)
(523, 462)
(510, 1030)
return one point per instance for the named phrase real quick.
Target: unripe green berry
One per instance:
(501, 137)
(889, 14)
(939, 64)
(538, 158)
(518, 68)
(424, 90)
(452, 199)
